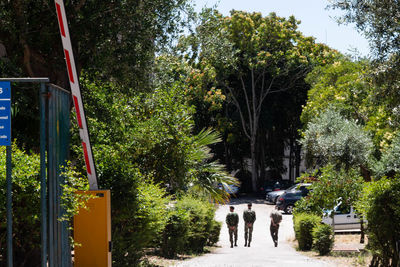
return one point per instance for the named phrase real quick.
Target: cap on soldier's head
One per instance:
(249, 204)
(232, 207)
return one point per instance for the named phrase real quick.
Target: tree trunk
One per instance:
(362, 230)
(253, 164)
(291, 159)
(227, 156)
(228, 159)
(261, 158)
(298, 160)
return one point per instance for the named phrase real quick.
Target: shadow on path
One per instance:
(244, 199)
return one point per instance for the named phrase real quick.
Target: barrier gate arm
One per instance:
(76, 94)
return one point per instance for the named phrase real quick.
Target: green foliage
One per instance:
(175, 234)
(215, 230)
(26, 204)
(70, 200)
(379, 203)
(26, 221)
(201, 222)
(115, 39)
(344, 85)
(250, 57)
(350, 87)
(141, 140)
(330, 138)
(191, 226)
(378, 20)
(206, 173)
(307, 205)
(138, 221)
(153, 133)
(335, 184)
(323, 238)
(389, 163)
(304, 225)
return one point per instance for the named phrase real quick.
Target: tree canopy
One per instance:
(377, 20)
(116, 40)
(250, 58)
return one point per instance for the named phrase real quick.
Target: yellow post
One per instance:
(92, 231)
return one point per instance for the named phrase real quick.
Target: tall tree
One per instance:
(331, 138)
(114, 39)
(378, 20)
(253, 57)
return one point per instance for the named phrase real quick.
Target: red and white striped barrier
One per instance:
(76, 94)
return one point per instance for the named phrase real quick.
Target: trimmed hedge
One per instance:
(380, 204)
(323, 238)
(303, 226)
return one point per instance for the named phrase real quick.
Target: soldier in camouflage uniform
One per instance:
(249, 217)
(276, 218)
(232, 221)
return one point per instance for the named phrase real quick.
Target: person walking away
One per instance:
(276, 218)
(249, 217)
(232, 221)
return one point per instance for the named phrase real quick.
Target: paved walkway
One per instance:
(262, 251)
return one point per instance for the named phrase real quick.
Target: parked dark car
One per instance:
(274, 185)
(288, 199)
(269, 186)
(272, 197)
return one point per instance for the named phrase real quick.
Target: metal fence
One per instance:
(58, 110)
(55, 103)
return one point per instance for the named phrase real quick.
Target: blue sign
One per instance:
(5, 114)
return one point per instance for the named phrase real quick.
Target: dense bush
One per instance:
(138, 211)
(138, 219)
(328, 185)
(380, 205)
(175, 233)
(332, 138)
(190, 227)
(307, 205)
(303, 226)
(26, 219)
(26, 205)
(213, 238)
(323, 238)
(201, 222)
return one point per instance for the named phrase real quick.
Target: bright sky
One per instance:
(315, 20)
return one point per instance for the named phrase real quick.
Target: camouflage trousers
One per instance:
(248, 232)
(274, 232)
(233, 234)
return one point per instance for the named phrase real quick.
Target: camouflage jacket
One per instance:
(232, 219)
(249, 216)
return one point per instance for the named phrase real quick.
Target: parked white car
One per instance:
(345, 219)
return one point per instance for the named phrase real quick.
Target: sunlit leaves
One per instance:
(330, 138)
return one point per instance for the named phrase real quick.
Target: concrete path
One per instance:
(262, 251)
